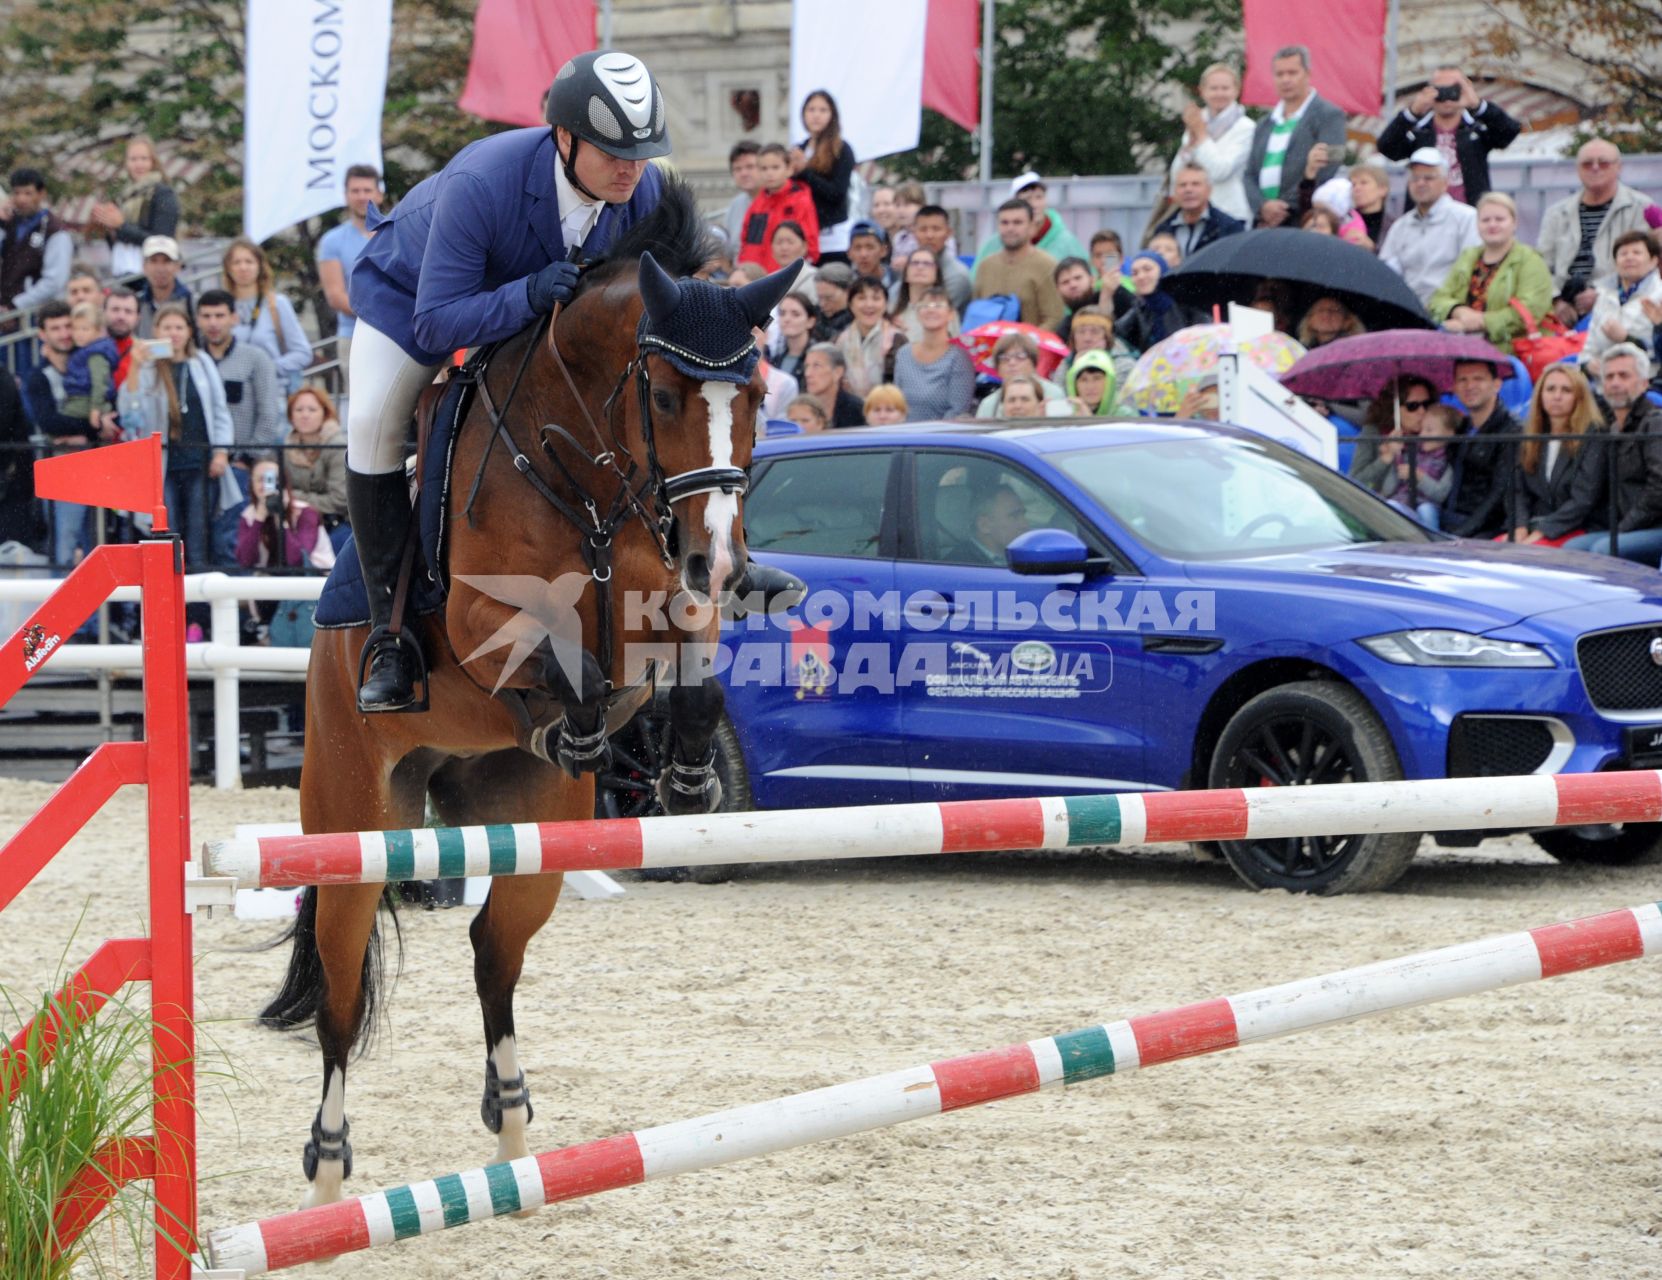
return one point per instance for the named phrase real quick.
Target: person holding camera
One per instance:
(1448, 114)
(174, 390)
(278, 528)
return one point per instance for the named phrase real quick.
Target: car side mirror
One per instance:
(1045, 552)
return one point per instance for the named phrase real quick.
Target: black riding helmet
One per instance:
(610, 101)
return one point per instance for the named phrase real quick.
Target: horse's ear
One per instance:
(762, 296)
(661, 294)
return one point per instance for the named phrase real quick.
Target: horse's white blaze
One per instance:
(721, 510)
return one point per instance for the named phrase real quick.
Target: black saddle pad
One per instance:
(344, 602)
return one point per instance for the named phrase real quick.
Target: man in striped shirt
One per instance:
(1283, 139)
(1577, 233)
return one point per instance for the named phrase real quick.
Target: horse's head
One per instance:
(701, 395)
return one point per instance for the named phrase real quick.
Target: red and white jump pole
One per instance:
(905, 830)
(724, 1137)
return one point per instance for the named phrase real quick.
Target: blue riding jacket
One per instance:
(447, 268)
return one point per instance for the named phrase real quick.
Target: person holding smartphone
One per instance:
(1447, 114)
(174, 390)
(278, 528)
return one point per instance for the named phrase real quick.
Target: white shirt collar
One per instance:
(1280, 116)
(577, 214)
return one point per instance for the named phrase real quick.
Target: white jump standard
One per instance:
(330, 1230)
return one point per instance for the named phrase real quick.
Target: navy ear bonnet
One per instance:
(704, 329)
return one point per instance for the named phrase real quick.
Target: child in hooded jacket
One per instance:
(1091, 383)
(781, 198)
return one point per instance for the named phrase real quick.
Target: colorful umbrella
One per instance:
(981, 340)
(1165, 372)
(1360, 368)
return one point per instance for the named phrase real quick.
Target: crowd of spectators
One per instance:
(124, 348)
(885, 322)
(896, 327)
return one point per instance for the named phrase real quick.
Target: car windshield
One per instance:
(1227, 498)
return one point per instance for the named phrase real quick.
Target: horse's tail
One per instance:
(298, 1000)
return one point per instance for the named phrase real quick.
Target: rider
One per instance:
(473, 254)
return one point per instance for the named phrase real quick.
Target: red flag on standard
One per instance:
(1346, 39)
(518, 45)
(123, 477)
(951, 71)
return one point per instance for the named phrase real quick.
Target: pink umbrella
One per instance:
(981, 340)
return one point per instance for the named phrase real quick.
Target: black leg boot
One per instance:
(380, 509)
(764, 589)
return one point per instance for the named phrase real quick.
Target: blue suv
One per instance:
(1039, 610)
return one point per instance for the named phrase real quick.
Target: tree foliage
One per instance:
(1083, 86)
(80, 77)
(1617, 42)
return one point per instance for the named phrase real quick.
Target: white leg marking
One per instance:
(721, 510)
(510, 1143)
(326, 1186)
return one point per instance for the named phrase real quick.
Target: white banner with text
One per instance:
(316, 81)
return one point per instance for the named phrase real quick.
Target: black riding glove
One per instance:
(553, 284)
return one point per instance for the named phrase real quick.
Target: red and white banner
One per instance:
(1346, 39)
(518, 45)
(951, 69)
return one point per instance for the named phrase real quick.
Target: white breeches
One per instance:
(386, 384)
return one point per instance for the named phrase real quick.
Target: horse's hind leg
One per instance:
(342, 793)
(345, 919)
(508, 786)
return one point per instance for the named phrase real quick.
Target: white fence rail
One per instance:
(223, 657)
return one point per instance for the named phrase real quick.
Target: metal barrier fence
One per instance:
(1511, 444)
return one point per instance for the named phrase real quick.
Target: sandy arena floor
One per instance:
(1510, 1134)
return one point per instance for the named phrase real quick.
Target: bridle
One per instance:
(643, 492)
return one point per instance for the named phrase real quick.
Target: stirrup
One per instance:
(503, 1095)
(327, 1144)
(379, 637)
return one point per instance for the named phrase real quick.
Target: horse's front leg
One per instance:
(580, 744)
(688, 783)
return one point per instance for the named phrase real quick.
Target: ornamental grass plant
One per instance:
(95, 1089)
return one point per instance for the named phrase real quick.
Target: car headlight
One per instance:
(1453, 649)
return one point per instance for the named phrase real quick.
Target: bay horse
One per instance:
(602, 460)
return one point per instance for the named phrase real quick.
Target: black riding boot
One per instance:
(380, 510)
(773, 589)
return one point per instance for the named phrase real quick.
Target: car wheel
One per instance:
(1305, 734)
(626, 789)
(1607, 845)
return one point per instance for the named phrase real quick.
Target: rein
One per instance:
(643, 493)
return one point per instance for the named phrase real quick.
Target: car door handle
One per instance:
(913, 613)
(1181, 644)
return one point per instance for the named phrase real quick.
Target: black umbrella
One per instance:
(1311, 265)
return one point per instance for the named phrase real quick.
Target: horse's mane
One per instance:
(675, 233)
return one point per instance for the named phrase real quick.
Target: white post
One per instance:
(987, 90)
(226, 631)
(605, 24)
